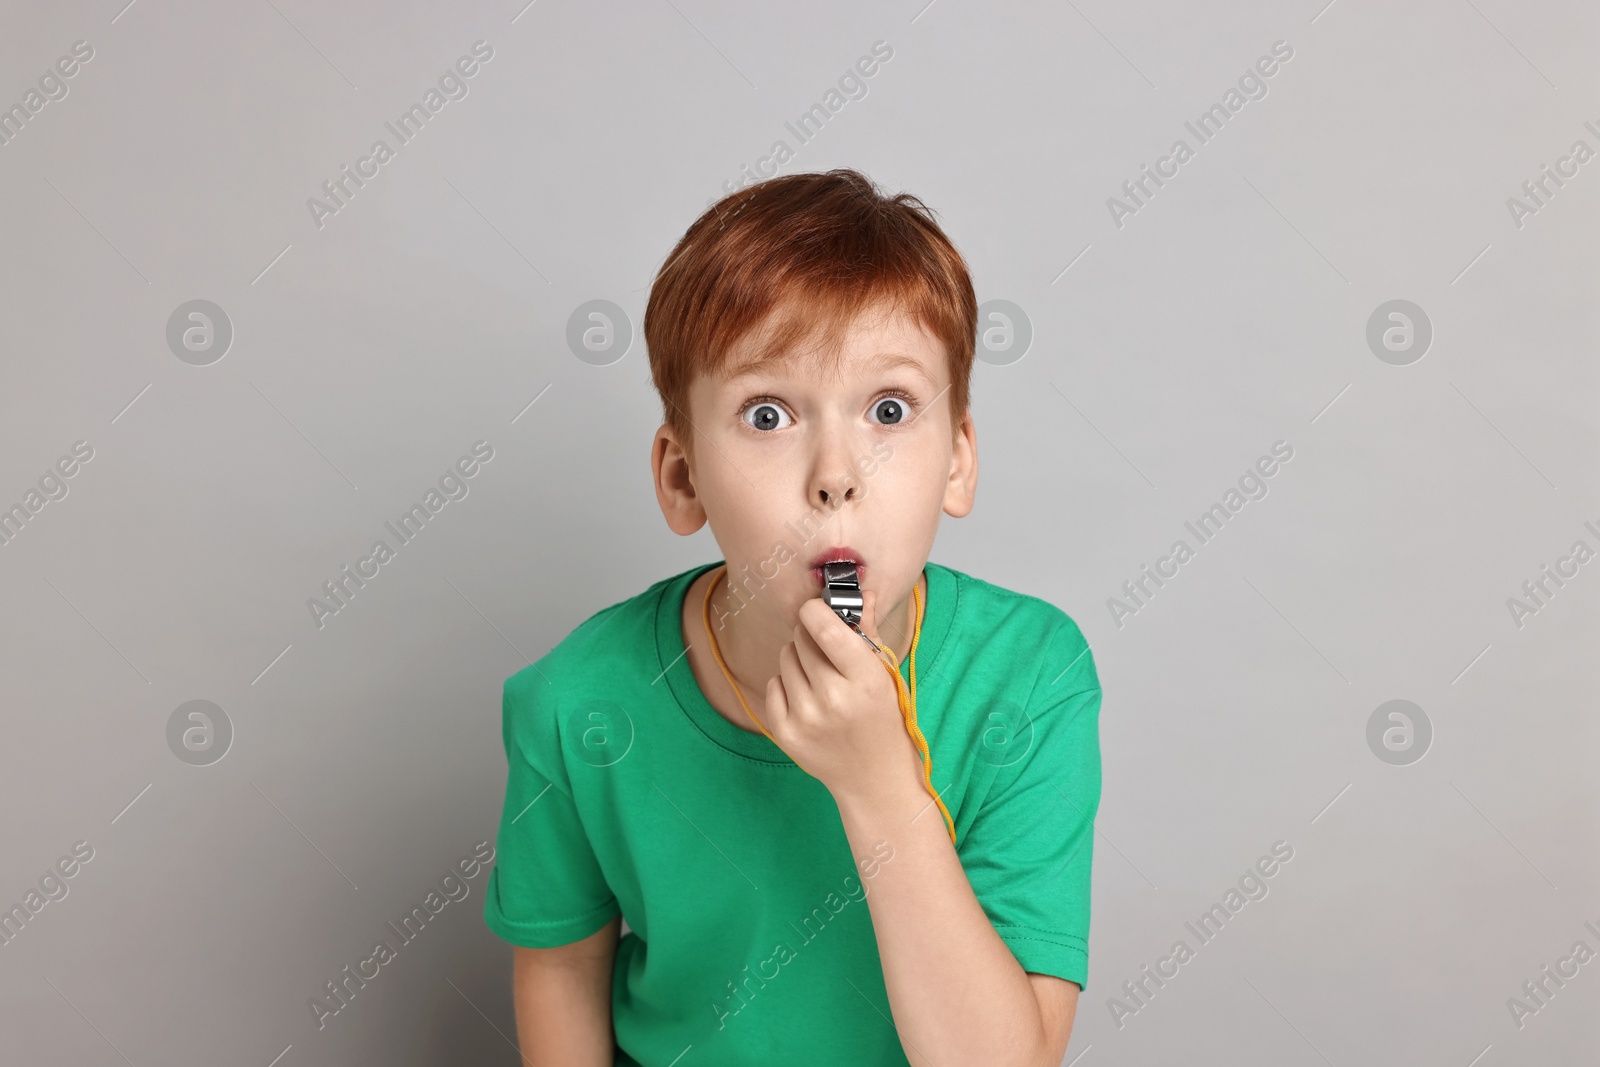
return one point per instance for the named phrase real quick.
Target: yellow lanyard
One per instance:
(908, 701)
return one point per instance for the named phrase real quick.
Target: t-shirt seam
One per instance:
(522, 753)
(737, 755)
(1070, 941)
(1061, 702)
(603, 906)
(1046, 716)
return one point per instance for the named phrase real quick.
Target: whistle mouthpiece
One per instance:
(841, 591)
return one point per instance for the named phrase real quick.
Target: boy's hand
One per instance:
(833, 708)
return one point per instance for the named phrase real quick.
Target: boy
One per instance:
(831, 846)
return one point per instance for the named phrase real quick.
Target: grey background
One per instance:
(1227, 314)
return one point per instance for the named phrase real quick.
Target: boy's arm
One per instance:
(956, 992)
(563, 1001)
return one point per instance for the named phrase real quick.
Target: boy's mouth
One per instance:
(842, 554)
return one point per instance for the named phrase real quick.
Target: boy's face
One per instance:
(864, 458)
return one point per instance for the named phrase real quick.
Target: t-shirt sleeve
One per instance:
(546, 887)
(1027, 853)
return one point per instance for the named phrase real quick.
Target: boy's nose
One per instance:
(835, 496)
(834, 479)
(836, 488)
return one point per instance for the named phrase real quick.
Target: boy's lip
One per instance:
(836, 555)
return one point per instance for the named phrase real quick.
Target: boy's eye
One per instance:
(888, 411)
(764, 416)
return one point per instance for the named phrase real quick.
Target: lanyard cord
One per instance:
(908, 702)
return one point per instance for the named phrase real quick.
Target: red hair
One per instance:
(821, 249)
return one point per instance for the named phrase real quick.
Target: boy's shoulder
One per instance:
(985, 604)
(603, 666)
(994, 616)
(599, 652)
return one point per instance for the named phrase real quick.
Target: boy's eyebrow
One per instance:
(894, 361)
(886, 361)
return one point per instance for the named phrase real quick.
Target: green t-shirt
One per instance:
(749, 936)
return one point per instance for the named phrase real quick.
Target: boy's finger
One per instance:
(792, 667)
(776, 712)
(869, 615)
(813, 657)
(834, 637)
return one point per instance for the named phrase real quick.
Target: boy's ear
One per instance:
(963, 484)
(674, 481)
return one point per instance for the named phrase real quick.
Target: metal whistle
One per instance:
(841, 591)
